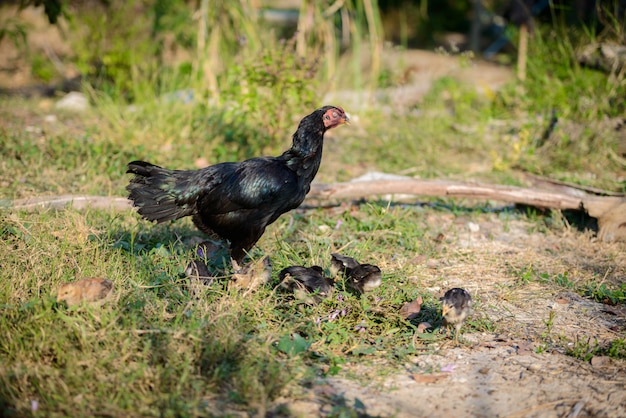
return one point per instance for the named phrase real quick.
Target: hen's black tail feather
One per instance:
(153, 191)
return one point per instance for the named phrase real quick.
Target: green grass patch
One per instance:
(159, 349)
(585, 349)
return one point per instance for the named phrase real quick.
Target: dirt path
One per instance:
(518, 370)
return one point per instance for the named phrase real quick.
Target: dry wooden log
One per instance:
(69, 200)
(609, 210)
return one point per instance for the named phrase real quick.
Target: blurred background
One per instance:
(205, 44)
(238, 75)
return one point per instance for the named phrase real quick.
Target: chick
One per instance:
(365, 278)
(341, 264)
(93, 290)
(456, 307)
(200, 278)
(302, 281)
(198, 271)
(252, 275)
(361, 277)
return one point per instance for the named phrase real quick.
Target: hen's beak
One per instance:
(345, 120)
(444, 310)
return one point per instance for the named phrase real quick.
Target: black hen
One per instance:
(236, 200)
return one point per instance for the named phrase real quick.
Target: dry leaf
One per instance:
(525, 348)
(427, 378)
(599, 361)
(423, 326)
(410, 310)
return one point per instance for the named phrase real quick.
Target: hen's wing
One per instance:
(257, 183)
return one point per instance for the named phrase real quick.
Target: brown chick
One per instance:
(91, 290)
(252, 275)
(456, 307)
(200, 279)
(198, 270)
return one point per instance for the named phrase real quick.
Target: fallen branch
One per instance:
(609, 210)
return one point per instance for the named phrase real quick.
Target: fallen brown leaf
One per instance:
(410, 309)
(428, 378)
(423, 326)
(439, 238)
(599, 361)
(614, 310)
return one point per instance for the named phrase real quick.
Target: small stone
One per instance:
(324, 228)
(432, 264)
(73, 101)
(483, 370)
(473, 227)
(535, 367)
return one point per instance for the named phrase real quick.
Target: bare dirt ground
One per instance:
(503, 373)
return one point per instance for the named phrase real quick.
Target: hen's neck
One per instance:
(305, 154)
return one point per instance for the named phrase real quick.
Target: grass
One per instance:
(585, 349)
(608, 293)
(157, 350)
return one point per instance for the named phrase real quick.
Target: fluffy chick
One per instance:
(361, 277)
(200, 278)
(456, 307)
(90, 290)
(341, 264)
(305, 280)
(197, 270)
(365, 278)
(252, 275)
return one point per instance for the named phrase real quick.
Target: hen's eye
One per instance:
(334, 114)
